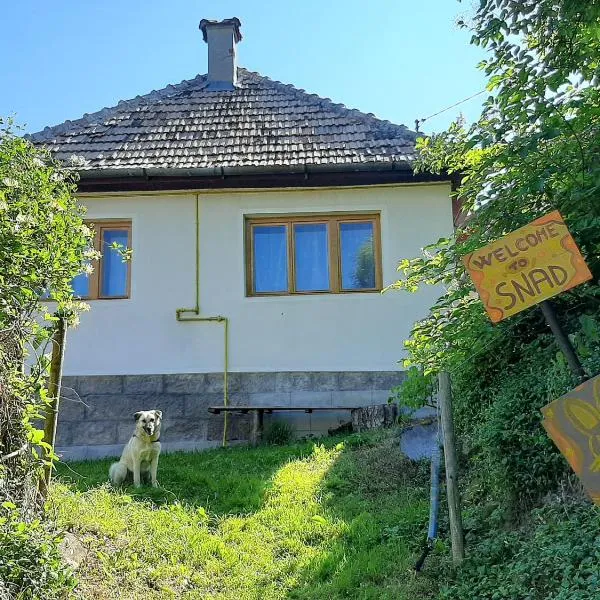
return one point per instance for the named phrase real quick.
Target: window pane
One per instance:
(81, 285)
(358, 256)
(114, 269)
(312, 257)
(270, 258)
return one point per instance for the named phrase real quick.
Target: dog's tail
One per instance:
(117, 473)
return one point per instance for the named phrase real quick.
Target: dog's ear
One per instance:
(137, 415)
(158, 414)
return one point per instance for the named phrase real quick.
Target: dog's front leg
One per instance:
(153, 470)
(136, 473)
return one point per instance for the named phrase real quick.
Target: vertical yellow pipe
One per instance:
(225, 373)
(180, 312)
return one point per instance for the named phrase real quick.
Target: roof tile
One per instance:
(261, 123)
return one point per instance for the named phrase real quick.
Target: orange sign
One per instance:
(573, 423)
(527, 266)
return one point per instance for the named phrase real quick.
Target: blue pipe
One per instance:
(434, 504)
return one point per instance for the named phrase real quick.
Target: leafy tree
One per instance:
(43, 245)
(535, 148)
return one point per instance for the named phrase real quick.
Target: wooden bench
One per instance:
(258, 413)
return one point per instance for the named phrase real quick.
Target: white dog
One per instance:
(140, 455)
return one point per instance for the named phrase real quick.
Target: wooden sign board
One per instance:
(526, 267)
(573, 423)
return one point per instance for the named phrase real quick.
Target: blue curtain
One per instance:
(270, 258)
(311, 257)
(114, 269)
(358, 256)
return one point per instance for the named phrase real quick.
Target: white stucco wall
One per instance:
(296, 333)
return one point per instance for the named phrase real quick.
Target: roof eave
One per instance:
(341, 175)
(243, 170)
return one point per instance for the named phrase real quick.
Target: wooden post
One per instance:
(456, 529)
(257, 427)
(54, 384)
(563, 341)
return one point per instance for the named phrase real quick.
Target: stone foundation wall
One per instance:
(96, 411)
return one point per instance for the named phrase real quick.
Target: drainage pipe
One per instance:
(193, 314)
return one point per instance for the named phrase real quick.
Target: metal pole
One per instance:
(456, 528)
(562, 340)
(54, 384)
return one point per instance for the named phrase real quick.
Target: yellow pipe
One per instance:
(181, 312)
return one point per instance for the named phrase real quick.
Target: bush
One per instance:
(500, 425)
(30, 562)
(278, 433)
(44, 243)
(556, 558)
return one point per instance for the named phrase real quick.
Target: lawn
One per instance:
(341, 518)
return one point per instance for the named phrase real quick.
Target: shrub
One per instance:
(30, 562)
(43, 245)
(557, 557)
(278, 433)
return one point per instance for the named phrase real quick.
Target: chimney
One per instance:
(222, 38)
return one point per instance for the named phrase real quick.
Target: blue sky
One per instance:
(399, 59)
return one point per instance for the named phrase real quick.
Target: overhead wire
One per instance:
(439, 112)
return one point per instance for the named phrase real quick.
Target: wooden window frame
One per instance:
(99, 226)
(333, 221)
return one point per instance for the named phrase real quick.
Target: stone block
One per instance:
(214, 383)
(269, 399)
(184, 383)
(182, 429)
(355, 380)
(142, 384)
(94, 432)
(381, 396)
(70, 388)
(108, 407)
(64, 432)
(324, 381)
(170, 404)
(99, 384)
(352, 398)
(254, 383)
(239, 399)
(235, 382)
(125, 430)
(290, 381)
(386, 380)
(238, 427)
(313, 399)
(123, 406)
(71, 409)
(196, 405)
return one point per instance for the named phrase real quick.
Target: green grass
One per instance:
(339, 519)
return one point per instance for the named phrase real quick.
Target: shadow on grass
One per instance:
(224, 481)
(383, 500)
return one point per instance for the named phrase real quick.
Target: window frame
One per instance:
(95, 278)
(333, 222)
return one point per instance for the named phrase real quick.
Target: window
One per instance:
(111, 275)
(313, 254)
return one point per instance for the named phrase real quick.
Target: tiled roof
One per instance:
(262, 124)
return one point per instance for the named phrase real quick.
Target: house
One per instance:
(264, 222)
